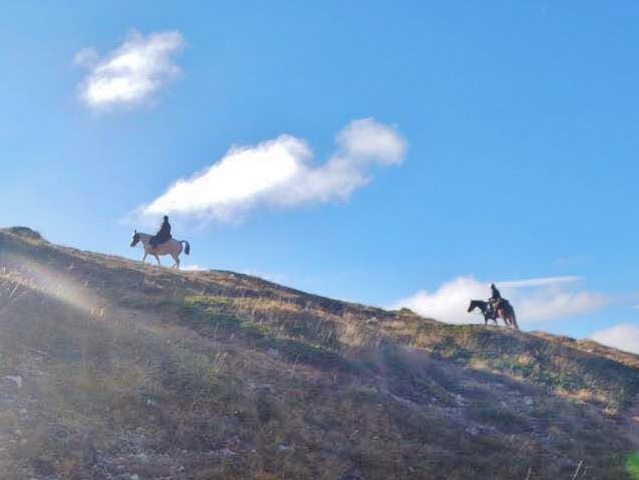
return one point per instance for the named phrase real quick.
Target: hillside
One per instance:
(110, 369)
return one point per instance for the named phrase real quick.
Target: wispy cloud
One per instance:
(193, 268)
(271, 277)
(279, 173)
(622, 336)
(133, 73)
(551, 303)
(534, 300)
(538, 282)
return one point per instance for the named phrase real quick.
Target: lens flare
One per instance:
(59, 285)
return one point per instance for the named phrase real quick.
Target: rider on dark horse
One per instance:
(163, 235)
(495, 300)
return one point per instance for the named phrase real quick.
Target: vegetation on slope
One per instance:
(112, 369)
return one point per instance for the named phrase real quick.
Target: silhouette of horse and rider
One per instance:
(495, 307)
(162, 243)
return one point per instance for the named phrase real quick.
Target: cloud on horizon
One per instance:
(193, 268)
(535, 300)
(279, 173)
(623, 337)
(132, 74)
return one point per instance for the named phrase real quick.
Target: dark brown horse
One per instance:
(504, 311)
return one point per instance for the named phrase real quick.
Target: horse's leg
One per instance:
(144, 257)
(505, 317)
(157, 258)
(177, 261)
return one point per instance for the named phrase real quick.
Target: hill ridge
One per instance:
(588, 345)
(196, 374)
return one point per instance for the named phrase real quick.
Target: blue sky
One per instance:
(389, 153)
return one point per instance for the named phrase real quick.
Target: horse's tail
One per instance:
(514, 317)
(515, 321)
(187, 248)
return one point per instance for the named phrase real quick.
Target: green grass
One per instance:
(632, 465)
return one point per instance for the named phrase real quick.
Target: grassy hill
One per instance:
(110, 369)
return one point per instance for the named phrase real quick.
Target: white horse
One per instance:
(173, 247)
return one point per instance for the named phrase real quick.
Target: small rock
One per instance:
(472, 430)
(226, 452)
(16, 379)
(143, 458)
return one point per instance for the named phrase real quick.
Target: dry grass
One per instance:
(220, 375)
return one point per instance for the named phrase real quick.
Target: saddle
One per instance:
(156, 240)
(494, 305)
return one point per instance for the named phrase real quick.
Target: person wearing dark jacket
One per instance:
(163, 235)
(495, 293)
(495, 299)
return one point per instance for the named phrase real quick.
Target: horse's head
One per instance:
(135, 239)
(477, 304)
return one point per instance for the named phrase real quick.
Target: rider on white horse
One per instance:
(163, 235)
(161, 243)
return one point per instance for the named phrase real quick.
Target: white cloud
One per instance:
(193, 268)
(538, 282)
(87, 57)
(133, 73)
(546, 304)
(534, 300)
(278, 172)
(449, 303)
(271, 277)
(623, 337)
